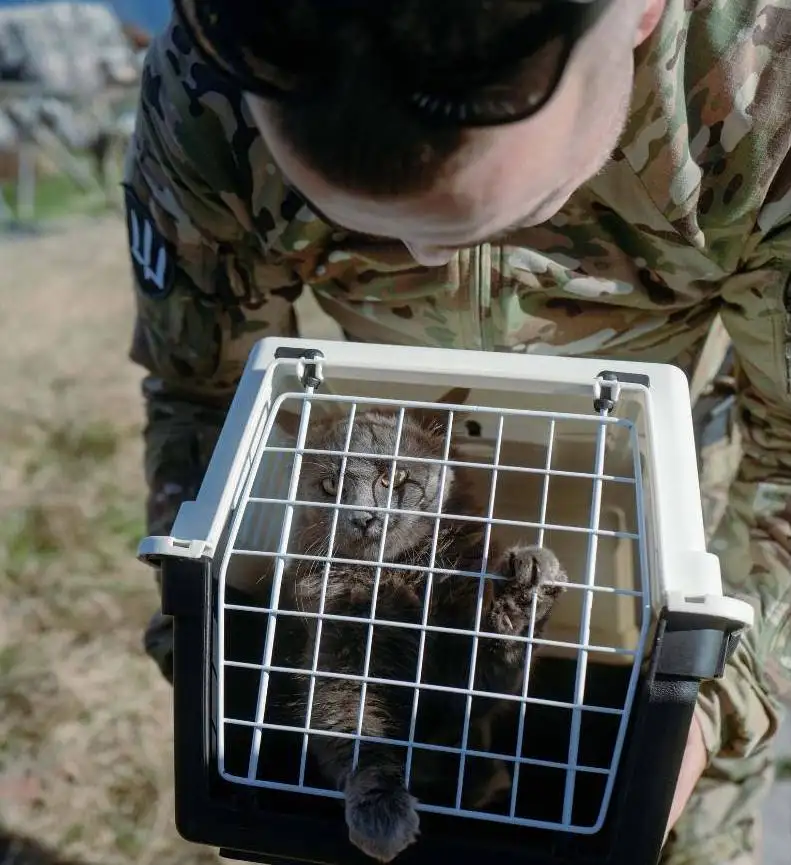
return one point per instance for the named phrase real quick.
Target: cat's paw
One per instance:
(380, 813)
(529, 571)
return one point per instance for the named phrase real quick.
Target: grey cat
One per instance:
(380, 810)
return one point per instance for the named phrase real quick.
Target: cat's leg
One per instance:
(380, 812)
(530, 572)
(444, 715)
(485, 781)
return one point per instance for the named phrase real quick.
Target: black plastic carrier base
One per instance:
(260, 825)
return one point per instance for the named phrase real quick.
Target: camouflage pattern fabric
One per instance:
(691, 219)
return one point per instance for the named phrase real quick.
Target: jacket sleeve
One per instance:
(753, 541)
(203, 223)
(209, 280)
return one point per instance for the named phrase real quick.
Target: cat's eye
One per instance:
(398, 480)
(329, 486)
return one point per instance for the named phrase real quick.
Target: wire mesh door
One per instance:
(357, 509)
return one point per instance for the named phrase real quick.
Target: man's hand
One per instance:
(692, 766)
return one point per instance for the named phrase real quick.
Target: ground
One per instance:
(85, 718)
(85, 736)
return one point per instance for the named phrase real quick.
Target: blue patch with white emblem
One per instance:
(153, 257)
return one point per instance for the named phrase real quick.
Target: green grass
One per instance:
(71, 517)
(75, 448)
(60, 514)
(57, 196)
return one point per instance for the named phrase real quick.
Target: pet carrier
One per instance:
(592, 459)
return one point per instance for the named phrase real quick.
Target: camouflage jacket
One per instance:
(691, 219)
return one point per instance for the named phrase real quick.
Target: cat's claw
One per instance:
(530, 572)
(380, 814)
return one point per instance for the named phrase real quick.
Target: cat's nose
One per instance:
(362, 519)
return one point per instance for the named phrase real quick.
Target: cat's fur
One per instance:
(380, 811)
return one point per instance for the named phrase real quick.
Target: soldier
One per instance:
(599, 177)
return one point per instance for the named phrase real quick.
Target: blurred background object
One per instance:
(149, 15)
(69, 79)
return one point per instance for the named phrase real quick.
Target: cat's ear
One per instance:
(288, 423)
(455, 396)
(437, 418)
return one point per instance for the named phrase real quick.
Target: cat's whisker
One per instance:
(306, 570)
(314, 464)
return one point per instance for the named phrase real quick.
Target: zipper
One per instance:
(475, 294)
(484, 294)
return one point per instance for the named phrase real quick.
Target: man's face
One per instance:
(505, 177)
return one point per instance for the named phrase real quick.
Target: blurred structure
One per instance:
(69, 76)
(150, 15)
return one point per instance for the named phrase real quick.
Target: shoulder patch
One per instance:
(153, 256)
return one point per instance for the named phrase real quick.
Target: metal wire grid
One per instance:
(600, 422)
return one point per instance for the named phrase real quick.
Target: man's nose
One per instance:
(429, 256)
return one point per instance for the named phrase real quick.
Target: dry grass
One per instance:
(85, 719)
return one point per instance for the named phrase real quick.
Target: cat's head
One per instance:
(416, 486)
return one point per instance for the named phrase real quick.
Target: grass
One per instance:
(85, 753)
(73, 515)
(85, 717)
(56, 196)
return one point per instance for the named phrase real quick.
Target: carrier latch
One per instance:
(606, 391)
